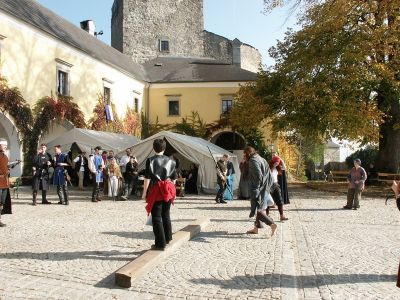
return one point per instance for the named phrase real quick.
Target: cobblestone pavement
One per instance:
(322, 252)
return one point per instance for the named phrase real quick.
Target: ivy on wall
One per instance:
(12, 102)
(130, 124)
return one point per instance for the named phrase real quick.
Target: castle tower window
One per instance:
(164, 45)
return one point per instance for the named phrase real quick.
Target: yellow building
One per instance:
(42, 54)
(179, 86)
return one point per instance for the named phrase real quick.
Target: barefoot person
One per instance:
(260, 179)
(356, 179)
(159, 181)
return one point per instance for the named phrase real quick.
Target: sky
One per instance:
(242, 19)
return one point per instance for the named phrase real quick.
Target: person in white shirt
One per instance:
(81, 162)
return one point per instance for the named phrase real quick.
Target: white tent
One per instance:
(194, 150)
(87, 140)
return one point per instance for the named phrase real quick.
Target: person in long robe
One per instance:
(230, 172)
(244, 192)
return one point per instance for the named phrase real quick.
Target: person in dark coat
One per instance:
(81, 168)
(261, 181)
(60, 161)
(41, 163)
(244, 192)
(4, 178)
(159, 192)
(131, 175)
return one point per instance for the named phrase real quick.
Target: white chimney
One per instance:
(88, 26)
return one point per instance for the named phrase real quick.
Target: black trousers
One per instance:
(44, 194)
(221, 190)
(62, 193)
(96, 188)
(162, 227)
(277, 196)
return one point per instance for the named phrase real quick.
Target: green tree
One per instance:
(339, 76)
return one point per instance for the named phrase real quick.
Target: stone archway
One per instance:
(9, 131)
(229, 140)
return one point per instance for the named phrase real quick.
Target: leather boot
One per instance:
(34, 195)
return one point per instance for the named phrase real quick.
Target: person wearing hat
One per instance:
(356, 179)
(4, 182)
(96, 167)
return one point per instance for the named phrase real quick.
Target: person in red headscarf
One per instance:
(274, 165)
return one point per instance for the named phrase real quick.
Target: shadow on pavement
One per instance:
(225, 235)
(288, 281)
(141, 235)
(221, 207)
(65, 256)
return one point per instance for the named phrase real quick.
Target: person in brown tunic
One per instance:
(4, 181)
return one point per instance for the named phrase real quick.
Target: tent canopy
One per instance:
(192, 149)
(87, 140)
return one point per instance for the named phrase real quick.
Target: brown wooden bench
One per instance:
(387, 177)
(339, 175)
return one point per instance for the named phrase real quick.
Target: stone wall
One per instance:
(217, 47)
(117, 24)
(250, 58)
(145, 22)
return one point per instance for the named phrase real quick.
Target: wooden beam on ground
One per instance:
(125, 276)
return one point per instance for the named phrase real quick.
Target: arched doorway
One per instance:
(231, 141)
(10, 133)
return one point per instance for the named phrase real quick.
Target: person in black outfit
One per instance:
(130, 176)
(158, 183)
(191, 179)
(41, 163)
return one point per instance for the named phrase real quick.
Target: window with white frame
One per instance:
(107, 95)
(173, 107)
(63, 77)
(2, 37)
(136, 104)
(62, 82)
(226, 105)
(163, 45)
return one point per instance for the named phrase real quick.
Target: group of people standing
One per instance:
(116, 178)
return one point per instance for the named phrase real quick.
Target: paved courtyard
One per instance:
(322, 252)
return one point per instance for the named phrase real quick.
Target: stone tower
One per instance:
(145, 29)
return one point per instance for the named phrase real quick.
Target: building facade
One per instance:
(42, 55)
